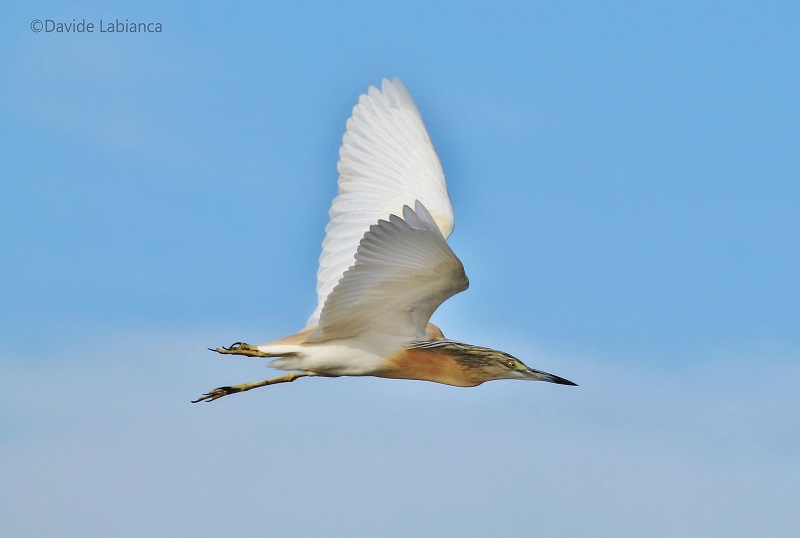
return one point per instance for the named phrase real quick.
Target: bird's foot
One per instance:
(217, 393)
(240, 348)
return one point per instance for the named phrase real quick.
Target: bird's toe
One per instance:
(215, 394)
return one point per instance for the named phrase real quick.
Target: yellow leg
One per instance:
(224, 391)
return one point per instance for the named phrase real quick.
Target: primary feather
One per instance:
(386, 161)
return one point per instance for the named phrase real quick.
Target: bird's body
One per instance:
(361, 355)
(385, 266)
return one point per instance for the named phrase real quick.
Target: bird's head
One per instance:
(485, 364)
(509, 367)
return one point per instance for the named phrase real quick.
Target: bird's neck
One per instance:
(430, 364)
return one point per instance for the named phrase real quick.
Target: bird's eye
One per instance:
(512, 365)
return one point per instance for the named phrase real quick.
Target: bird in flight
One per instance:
(385, 266)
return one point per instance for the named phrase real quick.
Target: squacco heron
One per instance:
(385, 266)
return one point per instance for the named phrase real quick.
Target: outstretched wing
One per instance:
(386, 161)
(404, 269)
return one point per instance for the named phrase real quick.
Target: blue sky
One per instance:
(625, 179)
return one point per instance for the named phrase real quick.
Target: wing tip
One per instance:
(396, 93)
(393, 83)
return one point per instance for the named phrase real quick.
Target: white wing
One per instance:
(404, 270)
(386, 161)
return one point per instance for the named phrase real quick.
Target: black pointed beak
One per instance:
(538, 375)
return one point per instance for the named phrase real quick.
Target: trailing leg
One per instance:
(224, 391)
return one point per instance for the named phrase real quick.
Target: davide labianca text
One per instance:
(82, 26)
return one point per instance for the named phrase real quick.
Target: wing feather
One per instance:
(404, 269)
(386, 161)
